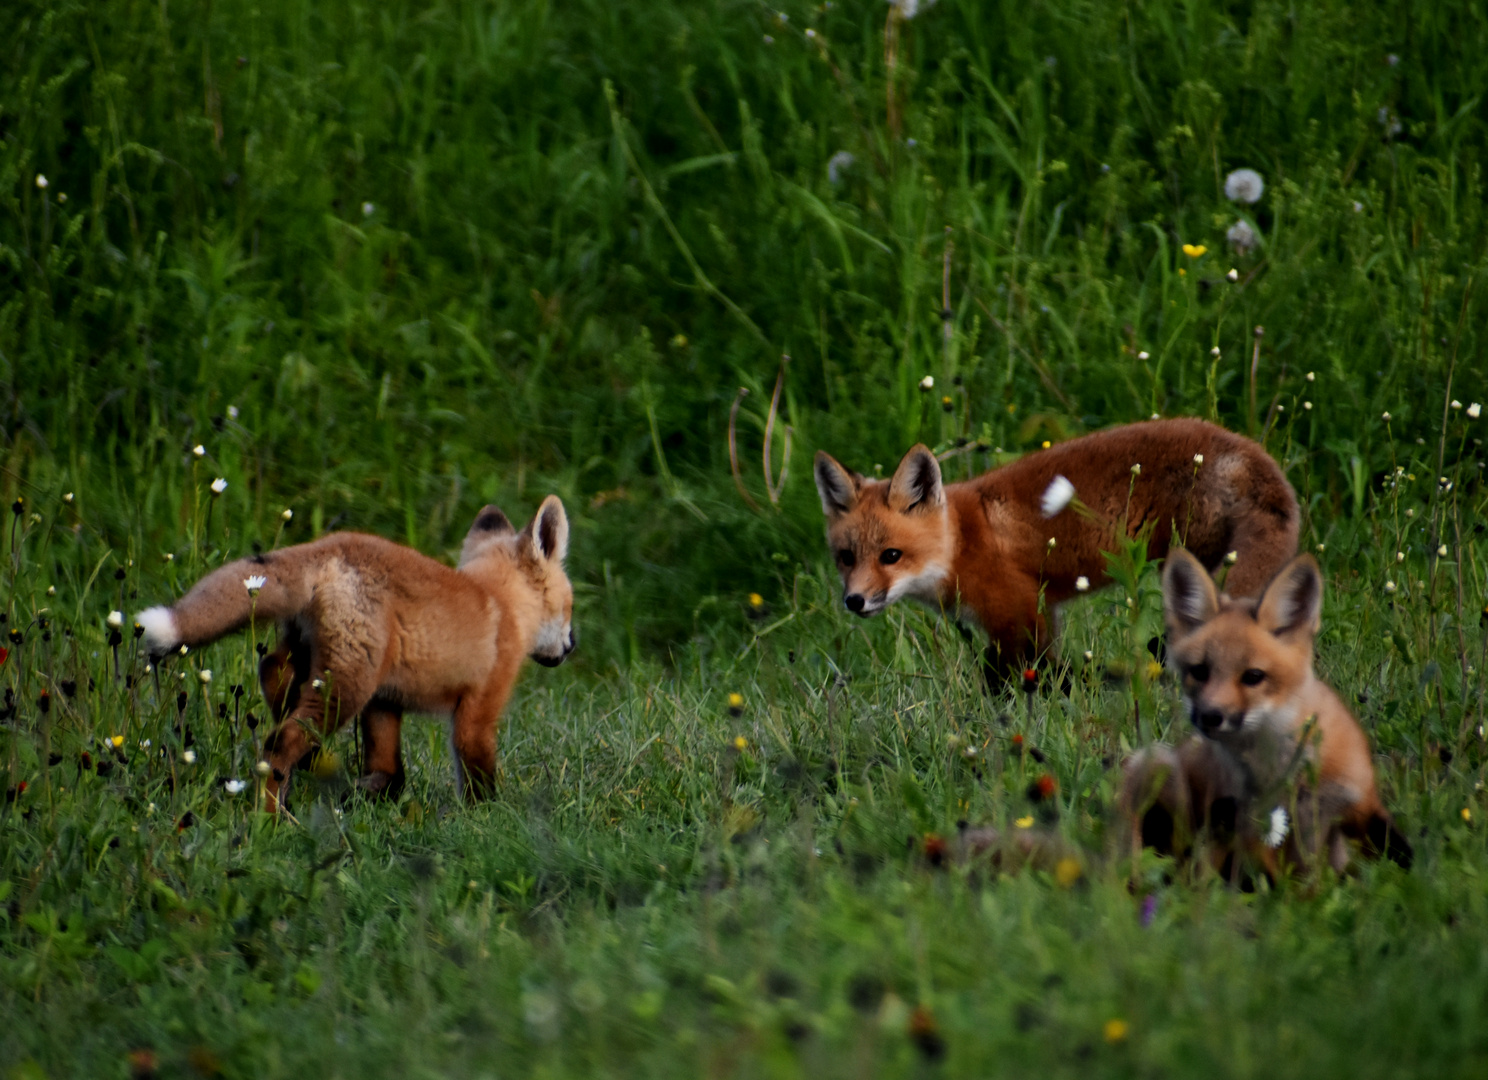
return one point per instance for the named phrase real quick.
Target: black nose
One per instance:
(1208, 720)
(854, 602)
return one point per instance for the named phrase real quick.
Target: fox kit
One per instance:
(368, 627)
(986, 550)
(1280, 768)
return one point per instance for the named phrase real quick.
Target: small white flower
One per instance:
(810, 33)
(1389, 587)
(1322, 548)
(1400, 556)
(1456, 404)
(1441, 552)
(1474, 410)
(51, 590)
(1214, 352)
(1307, 405)
(254, 582)
(235, 787)
(1281, 408)
(1311, 376)
(1242, 237)
(1082, 584)
(769, 40)
(199, 450)
(368, 209)
(1051, 543)
(184, 650)
(263, 769)
(1143, 355)
(115, 619)
(68, 497)
(205, 675)
(1233, 276)
(1279, 825)
(1137, 469)
(1385, 417)
(908, 9)
(1198, 459)
(219, 486)
(1244, 185)
(1155, 416)
(169, 557)
(189, 757)
(1410, 512)
(927, 383)
(838, 164)
(42, 182)
(1358, 207)
(318, 684)
(1089, 655)
(1231, 558)
(287, 514)
(1057, 496)
(232, 412)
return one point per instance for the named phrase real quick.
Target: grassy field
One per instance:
(387, 263)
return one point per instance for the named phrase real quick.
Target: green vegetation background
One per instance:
(390, 262)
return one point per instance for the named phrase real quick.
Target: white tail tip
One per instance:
(160, 630)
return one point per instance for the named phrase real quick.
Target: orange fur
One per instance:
(369, 628)
(1272, 734)
(980, 548)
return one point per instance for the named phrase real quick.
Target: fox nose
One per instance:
(1208, 720)
(854, 602)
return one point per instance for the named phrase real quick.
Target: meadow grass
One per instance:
(387, 263)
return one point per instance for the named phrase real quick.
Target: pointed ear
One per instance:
(837, 486)
(1189, 597)
(491, 520)
(548, 529)
(916, 484)
(1292, 604)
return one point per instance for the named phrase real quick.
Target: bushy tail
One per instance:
(265, 588)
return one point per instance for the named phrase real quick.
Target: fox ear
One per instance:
(491, 520)
(549, 529)
(837, 486)
(916, 483)
(1189, 596)
(1292, 604)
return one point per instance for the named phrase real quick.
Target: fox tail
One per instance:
(264, 588)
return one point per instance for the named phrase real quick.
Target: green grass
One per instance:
(586, 227)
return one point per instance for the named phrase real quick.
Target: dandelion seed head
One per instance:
(1214, 352)
(1242, 238)
(1244, 186)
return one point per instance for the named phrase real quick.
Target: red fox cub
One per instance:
(1281, 770)
(368, 627)
(1004, 549)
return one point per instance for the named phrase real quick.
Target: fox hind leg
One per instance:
(382, 741)
(344, 692)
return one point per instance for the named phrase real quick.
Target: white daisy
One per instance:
(1280, 824)
(189, 757)
(205, 675)
(115, 619)
(254, 582)
(1198, 459)
(927, 383)
(1475, 410)
(1082, 584)
(287, 514)
(1057, 496)
(219, 486)
(235, 787)
(199, 450)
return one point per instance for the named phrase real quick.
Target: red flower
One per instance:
(935, 849)
(1030, 680)
(4, 654)
(1046, 785)
(1018, 741)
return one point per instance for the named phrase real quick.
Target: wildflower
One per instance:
(287, 515)
(838, 164)
(1193, 251)
(1051, 543)
(1358, 207)
(1143, 355)
(1389, 587)
(368, 209)
(41, 181)
(1385, 417)
(116, 741)
(1400, 556)
(1214, 352)
(756, 600)
(1322, 548)
(1067, 871)
(1242, 237)
(1154, 670)
(1057, 496)
(189, 757)
(199, 450)
(51, 590)
(1082, 583)
(1136, 469)
(927, 383)
(68, 497)
(1089, 655)
(1231, 558)
(1244, 185)
(1441, 552)
(1024, 822)
(947, 404)
(740, 743)
(1467, 815)
(1045, 445)
(234, 787)
(1030, 680)
(115, 620)
(219, 486)
(263, 769)
(736, 704)
(1198, 459)
(1474, 410)
(679, 341)
(1149, 909)
(1456, 404)
(908, 9)
(232, 412)
(317, 684)
(1045, 787)
(1279, 824)
(1233, 276)
(168, 557)
(205, 675)
(1389, 121)
(1116, 1031)
(1410, 511)
(255, 582)
(811, 33)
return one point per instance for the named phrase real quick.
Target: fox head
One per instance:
(889, 538)
(534, 557)
(1243, 663)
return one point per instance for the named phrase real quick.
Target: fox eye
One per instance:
(1198, 672)
(846, 557)
(890, 556)
(1252, 676)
